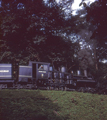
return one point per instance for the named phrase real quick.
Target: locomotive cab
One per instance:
(40, 73)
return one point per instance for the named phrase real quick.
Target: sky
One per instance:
(75, 6)
(76, 3)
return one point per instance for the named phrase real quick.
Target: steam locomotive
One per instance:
(41, 75)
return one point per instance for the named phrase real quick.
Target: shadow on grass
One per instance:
(27, 105)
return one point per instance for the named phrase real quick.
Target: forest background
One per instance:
(48, 31)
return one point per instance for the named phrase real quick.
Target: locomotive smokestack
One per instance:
(85, 73)
(78, 72)
(63, 69)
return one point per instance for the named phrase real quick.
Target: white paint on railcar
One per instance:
(5, 76)
(25, 76)
(5, 65)
(25, 66)
(4, 70)
(42, 71)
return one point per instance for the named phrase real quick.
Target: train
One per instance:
(42, 75)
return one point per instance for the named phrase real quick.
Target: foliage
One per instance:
(100, 74)
(95, 33)
(23, 25)
(29, 31)
(97, 14)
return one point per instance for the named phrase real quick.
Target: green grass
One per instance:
(51, 105)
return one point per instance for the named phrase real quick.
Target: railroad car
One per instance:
(34, 75)
(41, 75)
(6, 77)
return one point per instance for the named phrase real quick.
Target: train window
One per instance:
(40, 67)
(45, 67)
(67, 77)
(50, 68)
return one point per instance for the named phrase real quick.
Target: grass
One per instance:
(51, 105)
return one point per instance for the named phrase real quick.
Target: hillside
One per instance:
(51, 105)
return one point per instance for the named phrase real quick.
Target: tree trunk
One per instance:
(95, 58)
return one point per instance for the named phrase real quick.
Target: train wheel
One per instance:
(4, 86)
(57, 88)
(47, 88)
(29, 86)
(81, 89)
(51, 88)
(25, 86)
(15, 86)
(65, 88)
(62, 88)
(18, 86)
(1, 86)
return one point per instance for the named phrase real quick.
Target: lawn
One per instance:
(51, 105)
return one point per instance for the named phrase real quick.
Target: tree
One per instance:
(27, 30)
(22, 24)
(95, 23)
(97, 15)
(85, 59)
